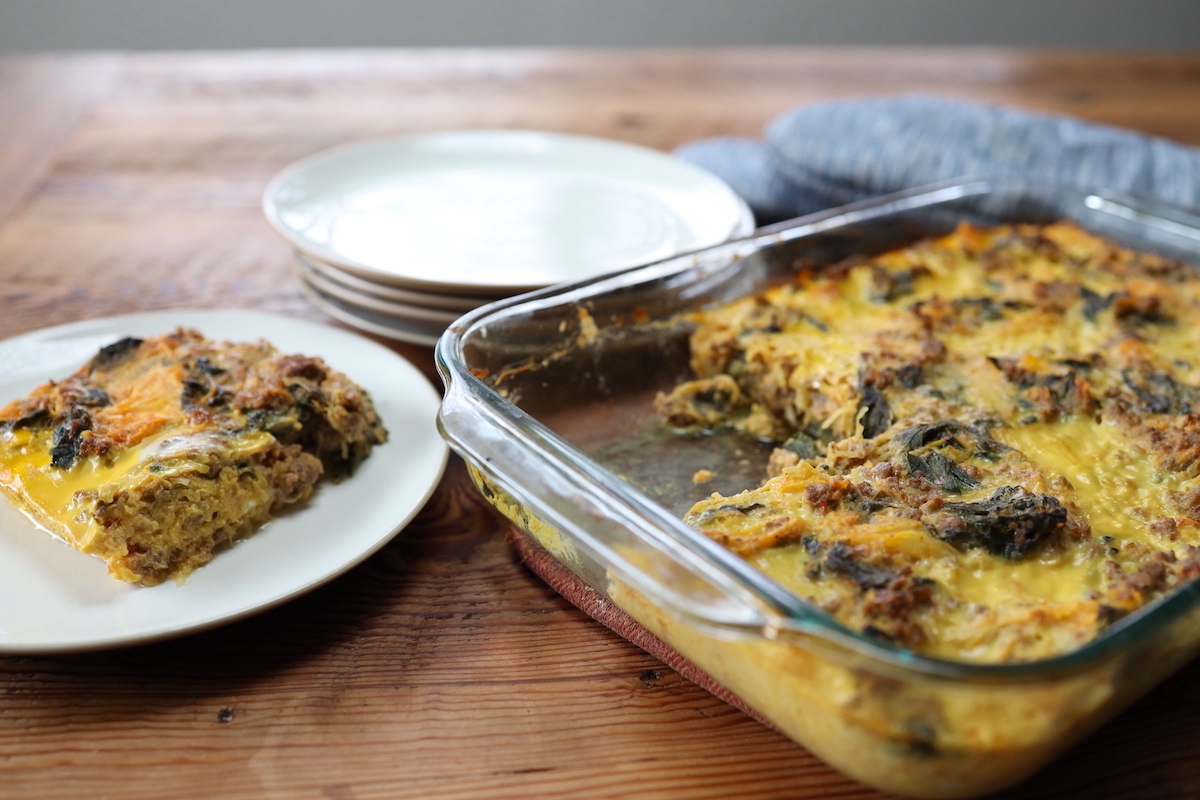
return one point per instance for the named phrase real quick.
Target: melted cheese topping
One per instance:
(993, 439)
(65, 500)
(1116, 487)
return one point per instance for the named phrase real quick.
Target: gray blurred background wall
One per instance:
(30, 25)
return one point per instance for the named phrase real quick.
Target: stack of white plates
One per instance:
(400, 237)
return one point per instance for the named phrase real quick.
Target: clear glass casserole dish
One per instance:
(549, 400)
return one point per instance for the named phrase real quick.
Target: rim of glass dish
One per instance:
(787, 611)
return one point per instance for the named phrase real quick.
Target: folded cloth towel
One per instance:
(826, 154)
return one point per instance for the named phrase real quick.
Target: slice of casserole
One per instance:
(158, 451)
(989, 443)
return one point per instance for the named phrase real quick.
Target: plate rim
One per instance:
(170, 319)
(330, 305)
(462, 303)
(397, 309)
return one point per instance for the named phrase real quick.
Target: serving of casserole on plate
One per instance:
(54, 598)
(159, 450)
(914, 479)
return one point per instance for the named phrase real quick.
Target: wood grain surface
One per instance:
(440, 667)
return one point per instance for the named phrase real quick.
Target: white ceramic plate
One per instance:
(498, 212)
(461, 303)
(404, 311)
(403, 330)
(56, 599)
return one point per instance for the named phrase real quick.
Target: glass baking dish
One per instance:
(548, 399)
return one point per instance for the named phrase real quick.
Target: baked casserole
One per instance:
(989, 442)
(158, 451)
(1012, 438)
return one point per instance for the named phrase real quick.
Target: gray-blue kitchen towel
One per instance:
(827, 154)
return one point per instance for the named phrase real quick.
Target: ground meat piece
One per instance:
(1173, 439)
(1189, 566)
(1055, 296)
(826, 496)
(1165, 526)
(774, 532)
(896, 602)
(294, 473)
(1129, 591)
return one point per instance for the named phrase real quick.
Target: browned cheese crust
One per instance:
(988, 443)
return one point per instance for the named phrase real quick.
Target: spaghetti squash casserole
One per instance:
(158, 451)
(988, 444)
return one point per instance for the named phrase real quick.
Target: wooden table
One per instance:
(440, 667)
